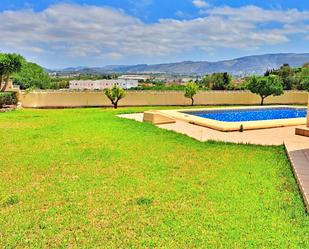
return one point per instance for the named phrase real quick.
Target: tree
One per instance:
(220, 81)
(32, 75)
(304, 84)
(190, 90)
(114, 94)
(9, 64)
(306, 65)
(206, 81)
(216, 81)
(265, 86)
(59, 83)
(286, 75)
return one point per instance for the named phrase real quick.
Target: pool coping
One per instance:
(234, 126)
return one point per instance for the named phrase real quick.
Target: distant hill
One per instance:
(255, 64)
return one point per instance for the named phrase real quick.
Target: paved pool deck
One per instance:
(297, 147)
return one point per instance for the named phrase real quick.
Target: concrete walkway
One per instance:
(297, 147)
(274, 136)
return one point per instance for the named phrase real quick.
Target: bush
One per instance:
(59, 84)
(304, 85)
(8, 98)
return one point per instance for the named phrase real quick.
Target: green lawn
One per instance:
(84, 178)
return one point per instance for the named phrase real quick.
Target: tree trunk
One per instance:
(116, 104)
(6, 83)
(192, 101)
(1, 80)
(262, 101)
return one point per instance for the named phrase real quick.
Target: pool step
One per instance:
(304, 131)
(157, 118)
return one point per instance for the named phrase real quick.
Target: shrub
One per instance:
(304, 85)
(8, 98)
(217, 81)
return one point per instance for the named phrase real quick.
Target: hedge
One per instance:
(8, 98)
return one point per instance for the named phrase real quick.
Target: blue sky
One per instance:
(59, 34)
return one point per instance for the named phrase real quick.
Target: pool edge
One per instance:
(234, 126)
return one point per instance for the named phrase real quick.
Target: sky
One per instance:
(58, 34)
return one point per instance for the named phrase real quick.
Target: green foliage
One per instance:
(9, 64)
(236, 87)
(265, 86)
(217, 81)
(306, 65)
(59, 83)
(304, 84)
(220, 81)
(291, 78)
(286, 74)
(241, 128)
(32, 75)
(206, 81)
(190, 91)
(304, 72)
(115, 94)
(8, 98)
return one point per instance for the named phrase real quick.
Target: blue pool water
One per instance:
(251, 114)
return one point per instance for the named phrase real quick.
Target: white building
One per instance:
(102, 84)
(134, 77)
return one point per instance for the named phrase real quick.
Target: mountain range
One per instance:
(255, 64)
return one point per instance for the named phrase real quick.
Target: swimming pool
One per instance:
(241, 118)
(251, 114)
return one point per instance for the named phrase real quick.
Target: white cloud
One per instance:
(256, 14)
(81, 31)
(113, 56)
(180, 13)
(200, 4)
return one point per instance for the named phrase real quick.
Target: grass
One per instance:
(84, 178)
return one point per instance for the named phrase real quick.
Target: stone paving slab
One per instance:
(274, 136)
(297, 147)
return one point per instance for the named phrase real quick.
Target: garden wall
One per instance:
(58, 99)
